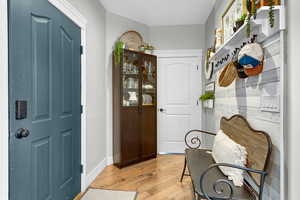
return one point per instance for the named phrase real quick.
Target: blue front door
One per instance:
(44, 81)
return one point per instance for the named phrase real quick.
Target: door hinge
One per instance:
(81, 50)
(81, 109)
(81, 169)
(197, 67)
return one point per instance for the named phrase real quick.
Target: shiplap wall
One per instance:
(243, 97)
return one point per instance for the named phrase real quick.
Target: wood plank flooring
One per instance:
(156, 179)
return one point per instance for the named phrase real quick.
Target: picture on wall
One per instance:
(234, 11)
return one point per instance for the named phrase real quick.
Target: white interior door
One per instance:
(179, 89)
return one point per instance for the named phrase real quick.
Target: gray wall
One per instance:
(96, 102)
(243, 97)
(115, 26)
(293, 96)
(178, 37)
(213, 21)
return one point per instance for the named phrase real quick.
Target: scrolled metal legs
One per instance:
(220, 185)
(183, 171)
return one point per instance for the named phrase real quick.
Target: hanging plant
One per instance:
(271, 13)
(207, 96)
(252, 12)
(119, 46)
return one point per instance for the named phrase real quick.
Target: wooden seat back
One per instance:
(257, 143)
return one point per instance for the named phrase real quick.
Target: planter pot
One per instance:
(209, 103)
(148, 51)
(238, 25)
(262, 3)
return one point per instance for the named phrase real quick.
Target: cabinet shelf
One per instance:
(148, 105)
(131, 89)
(130, 75)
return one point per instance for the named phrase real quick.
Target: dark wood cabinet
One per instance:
(134, 108)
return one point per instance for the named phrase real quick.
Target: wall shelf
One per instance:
(260, 26)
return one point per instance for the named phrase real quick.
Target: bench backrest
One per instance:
(257, 143)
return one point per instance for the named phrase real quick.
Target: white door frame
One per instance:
(71, 12)
(184, 53)
(4, 160)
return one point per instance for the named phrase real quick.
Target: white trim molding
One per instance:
(71, 12)
(95, 172)
(109, 160)
(4, 147)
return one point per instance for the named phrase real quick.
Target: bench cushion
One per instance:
(198, 161)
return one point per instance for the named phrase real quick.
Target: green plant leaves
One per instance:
(207, 96)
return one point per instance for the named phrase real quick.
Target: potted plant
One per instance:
(252, 11)
(119, 46)
(239, 23)
(207, 96)
(149, 48)
(142, 48)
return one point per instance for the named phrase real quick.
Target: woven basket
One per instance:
(228, 75)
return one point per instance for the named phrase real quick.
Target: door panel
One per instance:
(130, 126)
(41, 56)
(149, 129)
(67, 59)
(41, 170)
(44, 56)
(179, 88)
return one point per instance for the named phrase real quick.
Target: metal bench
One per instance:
(207, 179)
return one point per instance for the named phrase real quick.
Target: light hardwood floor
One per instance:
(156, 179)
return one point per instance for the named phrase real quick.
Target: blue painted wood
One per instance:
(44, 56)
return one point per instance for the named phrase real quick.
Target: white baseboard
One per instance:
(110, 160)
(95, 172)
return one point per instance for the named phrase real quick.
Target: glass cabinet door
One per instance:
(130, 79)
(149, 81)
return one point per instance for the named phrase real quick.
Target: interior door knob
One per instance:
(161, 110)
(22, 133)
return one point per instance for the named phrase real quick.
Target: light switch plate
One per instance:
(270, 104)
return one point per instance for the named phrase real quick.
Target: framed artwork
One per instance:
(208, 65)
(210, 87)
(234, 11)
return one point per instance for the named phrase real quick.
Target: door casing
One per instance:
(72, 13)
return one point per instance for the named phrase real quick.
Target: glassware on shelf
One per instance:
(148, 87)
(130, 68)
(131, 83)
(147, 99)
(130, 98)
(148, 70)
(148, 67)
(133, 97)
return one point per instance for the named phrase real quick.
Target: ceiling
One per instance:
(162, 12)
